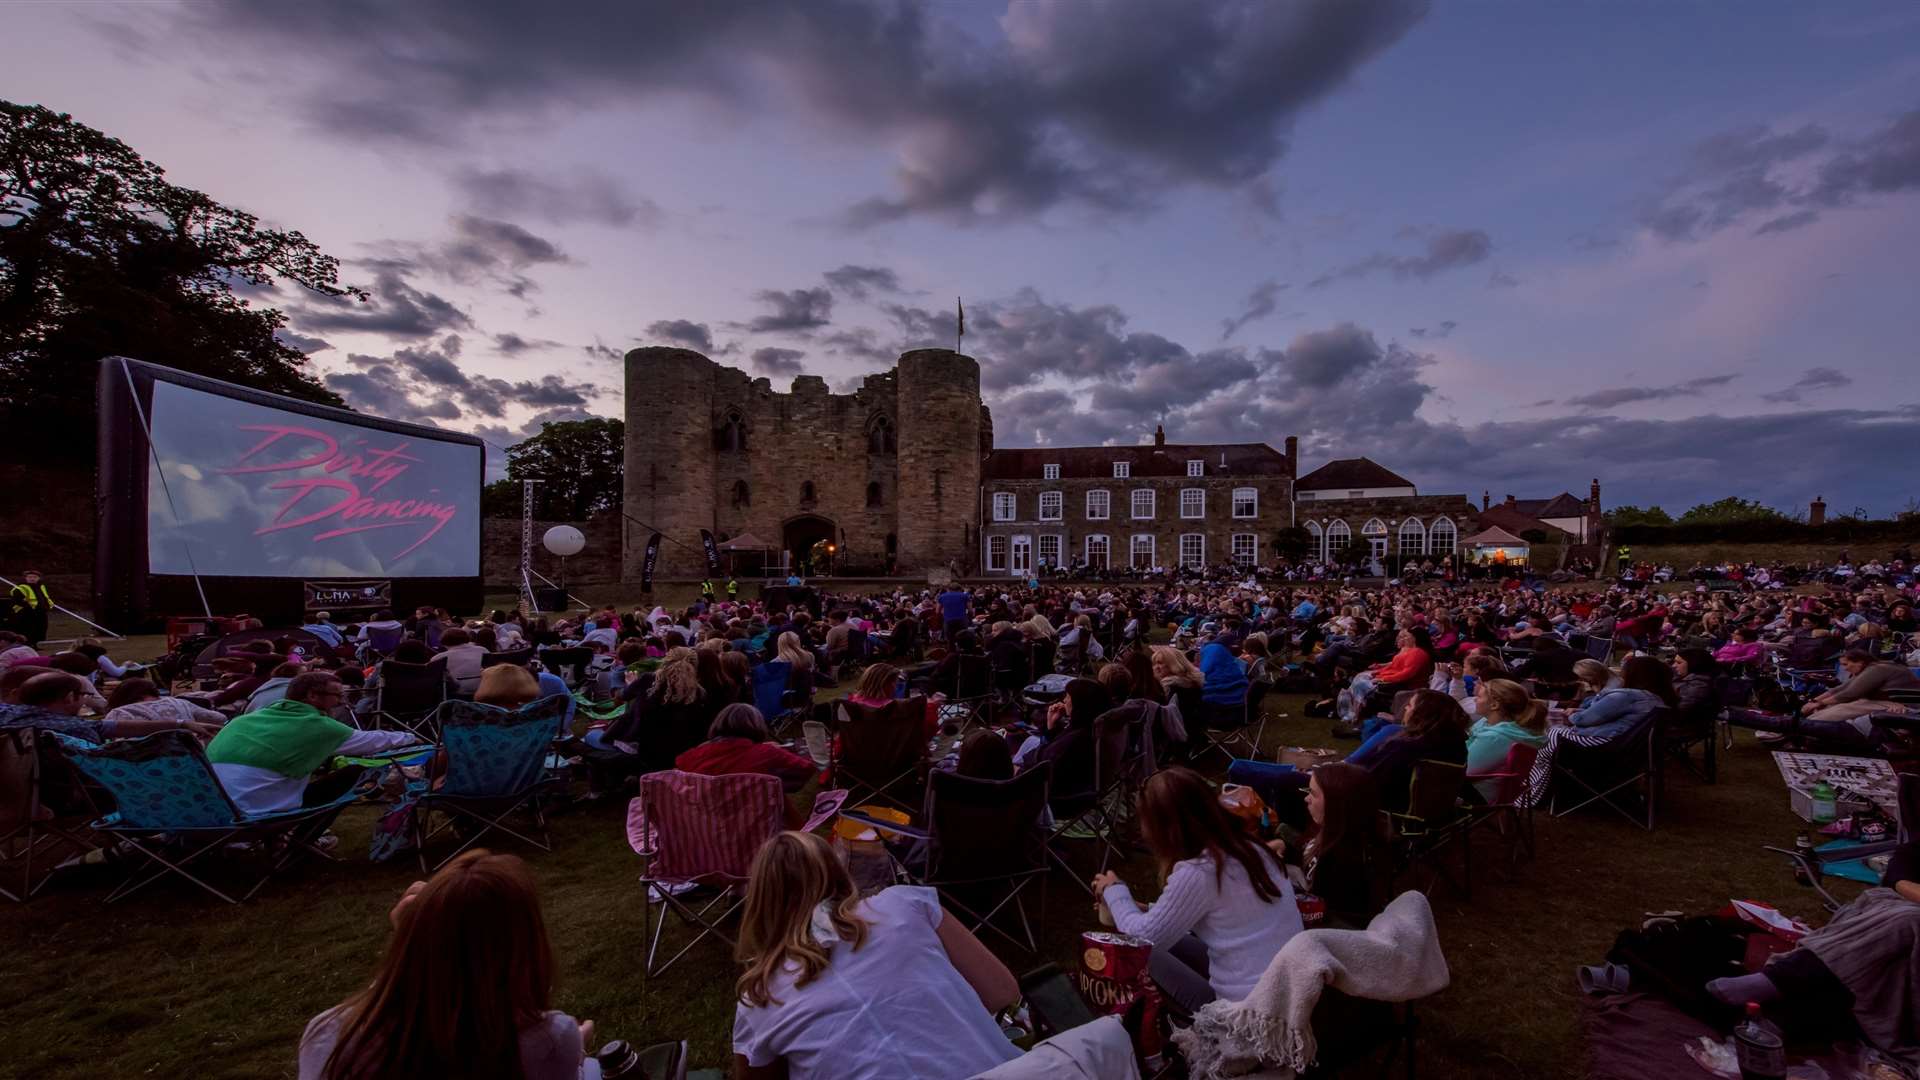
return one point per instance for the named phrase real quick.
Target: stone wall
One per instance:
(597, 563)
(804, 460)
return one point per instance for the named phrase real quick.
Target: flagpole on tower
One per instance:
(959, 323)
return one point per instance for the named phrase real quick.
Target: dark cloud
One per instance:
(792, 310)
(302, 342)
(859, 282)
(1819, 378)
(395, 308)
(513, 344)
(1738, 176)
(860, 342)
(586, 196)
(1445, 329)
(688, 335)
(600, 350)
(1627, 395)
(1104, 103)
(1259, 304)
(486, 249)
(774, 361)
(1446, 250)
(1500, 279)
(428, 381)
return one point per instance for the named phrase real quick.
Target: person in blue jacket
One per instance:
(1645, 685)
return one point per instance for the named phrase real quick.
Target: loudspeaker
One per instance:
(554, 600)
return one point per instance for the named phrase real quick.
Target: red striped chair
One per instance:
(698, 835)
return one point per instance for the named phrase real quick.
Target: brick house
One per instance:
(1164, 504)
(1356, 507)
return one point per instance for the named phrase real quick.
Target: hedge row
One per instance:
(1780, 530)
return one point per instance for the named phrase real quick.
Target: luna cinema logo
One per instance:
(326, 468)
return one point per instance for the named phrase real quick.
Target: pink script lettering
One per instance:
(354, 511)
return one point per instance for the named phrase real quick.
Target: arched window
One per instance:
(1441, 538)
(880, 437)
(1413, 537)
(1316, 540)
(806, 491)
(740, 495)
(1339, 537)
(1374, 527)
(731, 435)
(873, 494)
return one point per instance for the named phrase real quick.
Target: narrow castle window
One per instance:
(731, 435)
(880, 437)
(873, 494)
(740, 495)
(806, 491)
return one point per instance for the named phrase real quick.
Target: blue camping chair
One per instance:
(770, 690)
(171, 809)
(496, 763)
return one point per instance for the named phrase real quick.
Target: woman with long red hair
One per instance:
(465, 989)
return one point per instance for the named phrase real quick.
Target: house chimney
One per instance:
(1817, 513)
(1293, 456)
(1593, 497)
(1159, 435)
(1486, 499)
(1510, 500)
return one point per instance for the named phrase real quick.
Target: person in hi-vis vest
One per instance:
(29, 605)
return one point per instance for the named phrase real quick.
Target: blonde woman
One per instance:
(667, 718)
(1594, 677)
(1507, 715)
(1182, 683)
(841, 987)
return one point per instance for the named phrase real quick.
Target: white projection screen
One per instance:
(224, 498)
(243, 490)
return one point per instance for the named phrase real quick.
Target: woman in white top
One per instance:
(139, 699)
(841, 987)
(1226, 906)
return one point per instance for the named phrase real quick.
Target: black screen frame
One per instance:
(127, 595)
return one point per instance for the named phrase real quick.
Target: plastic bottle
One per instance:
(1823, 799)
(1760, 1049)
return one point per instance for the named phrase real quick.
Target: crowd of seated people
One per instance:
(1434, 670)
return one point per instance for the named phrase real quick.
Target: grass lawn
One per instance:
(175, 984)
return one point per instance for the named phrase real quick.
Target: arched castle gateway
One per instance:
(890, 473)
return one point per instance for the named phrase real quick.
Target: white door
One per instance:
(1377, 550)
(1021, 562)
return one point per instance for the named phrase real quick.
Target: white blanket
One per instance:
(1098, 1050)
(1396, 958)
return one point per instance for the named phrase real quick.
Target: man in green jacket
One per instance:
(264, 758)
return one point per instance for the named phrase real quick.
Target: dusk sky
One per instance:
(1492, 245)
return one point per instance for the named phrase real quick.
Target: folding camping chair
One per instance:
(34, 829)
(569, 663)
(1507, 808)
(770, 693)
(1688, 730)
(410, 695)
(973, 689)
(1248, 729)
(880, 749)
(1044, 652)
(1630, 766)
(496, 763)
(1435, 817)
(981, 839)
(171, 810)
(1097, 812)
(381, 641)
(1599, 648)
(521, 657)
(703, 831)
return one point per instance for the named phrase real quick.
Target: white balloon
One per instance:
(564, 540)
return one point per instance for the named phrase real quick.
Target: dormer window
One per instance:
(1196, 467)
(1049, 472)
(1122, 470)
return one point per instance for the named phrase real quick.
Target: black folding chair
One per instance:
(409, 695)
(569, 663)
(1625, 774)
(973, 688)
(881, 750)
(1435, 817)
(1044, 652)
(1098, 812)
(981, 846)
(1695, 727)
(43, 812)
(518, 658)
(1247, 727)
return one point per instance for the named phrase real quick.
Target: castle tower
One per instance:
(940, 418)
(669, 459)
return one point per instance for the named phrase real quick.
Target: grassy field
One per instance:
(1683, 556)
(173, 984)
